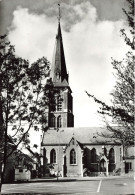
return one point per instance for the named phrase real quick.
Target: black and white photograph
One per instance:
(67, 97)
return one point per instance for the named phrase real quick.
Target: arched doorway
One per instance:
(104, 165)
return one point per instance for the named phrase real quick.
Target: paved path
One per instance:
(102, 186)
(54, 188)
(118, 186)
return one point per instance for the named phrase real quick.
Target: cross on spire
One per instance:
(59, 17)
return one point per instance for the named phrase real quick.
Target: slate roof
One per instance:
(84, 135)
(58, 67)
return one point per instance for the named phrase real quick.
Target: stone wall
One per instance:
(84, 165)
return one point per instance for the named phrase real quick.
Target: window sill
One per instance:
(73, 164)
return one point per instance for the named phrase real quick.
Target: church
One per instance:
(72, 152)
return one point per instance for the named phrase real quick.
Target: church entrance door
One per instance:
(103, 166)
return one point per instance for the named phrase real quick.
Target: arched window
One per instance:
(105, 151)
(120, 155)
(93, 156)
(52, 156)
(72, 157)
(59, 121)
(44, 158)
(111, 156)
(52, 121)
(59, 104)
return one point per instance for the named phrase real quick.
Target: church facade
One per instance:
(68, 151)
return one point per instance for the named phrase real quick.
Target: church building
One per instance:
(68, 151)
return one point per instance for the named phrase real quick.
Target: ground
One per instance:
(103, 186)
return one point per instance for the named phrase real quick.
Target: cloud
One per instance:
(31, 34)
(75, 14)
(89, 45)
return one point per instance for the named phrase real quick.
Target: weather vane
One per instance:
(59, 13)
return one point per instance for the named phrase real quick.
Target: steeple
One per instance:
(58, 69)
(62, 116)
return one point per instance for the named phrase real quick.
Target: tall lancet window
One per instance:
(72, 157)
(58, 75)
(53, 156)
(52, 121)
(105, 151)
(59, 104)
(111, 160)
(111, 156)
(59, 121)
(93, 156)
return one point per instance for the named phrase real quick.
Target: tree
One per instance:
(23, 98)
(130, 41)
(122, 110)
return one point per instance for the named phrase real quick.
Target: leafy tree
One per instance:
(122, 110)
(23, 98)
(130, 19)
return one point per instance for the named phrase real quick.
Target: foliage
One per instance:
(24, 96)
(131, 23)
(122, 110)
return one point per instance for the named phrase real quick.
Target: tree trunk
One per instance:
(1, 144)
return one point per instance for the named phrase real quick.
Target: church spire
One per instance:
(58, 69)
(59, 17)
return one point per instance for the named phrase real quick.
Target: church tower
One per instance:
(63, 115)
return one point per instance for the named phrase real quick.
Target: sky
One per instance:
(91, 36)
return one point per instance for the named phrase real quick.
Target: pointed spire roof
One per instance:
(58, 69)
